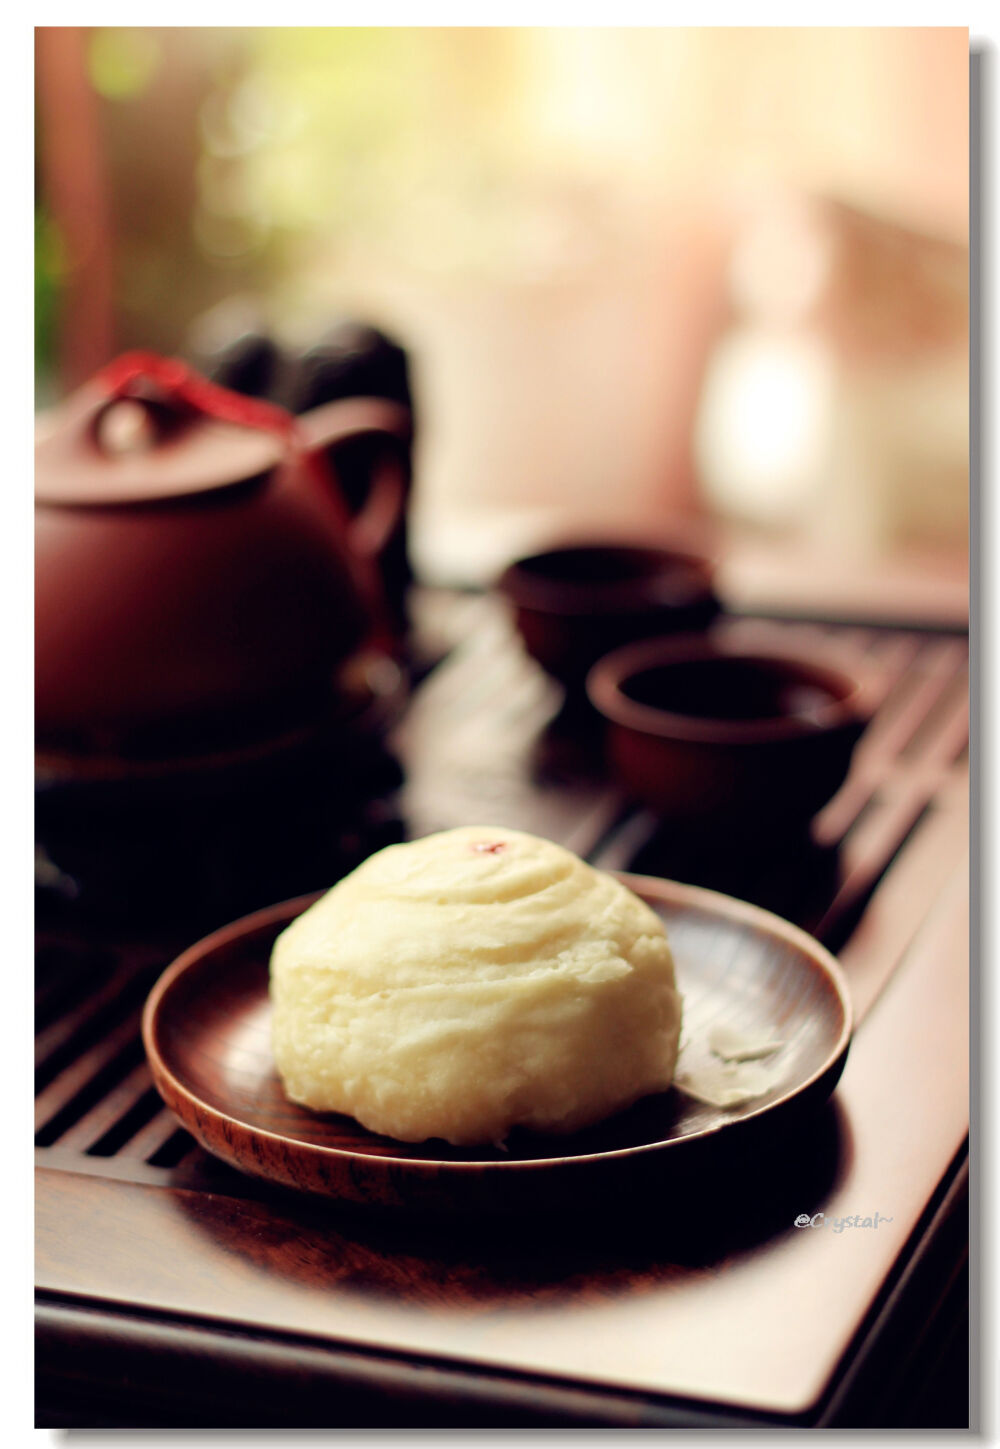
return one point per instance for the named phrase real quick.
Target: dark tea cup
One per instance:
(724, 737)
(576, 602)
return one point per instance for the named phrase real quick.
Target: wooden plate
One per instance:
(206, 1029)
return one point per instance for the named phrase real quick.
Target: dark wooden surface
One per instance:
(708, 1312)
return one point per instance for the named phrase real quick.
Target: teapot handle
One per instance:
(326, 428)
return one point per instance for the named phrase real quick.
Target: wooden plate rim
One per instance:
(666, 891)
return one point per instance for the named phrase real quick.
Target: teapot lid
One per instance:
(148, 429)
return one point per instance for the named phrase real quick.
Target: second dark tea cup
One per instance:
(576, 602)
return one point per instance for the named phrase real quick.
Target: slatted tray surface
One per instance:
(882, 883)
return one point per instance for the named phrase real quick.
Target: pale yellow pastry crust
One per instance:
(470, 982)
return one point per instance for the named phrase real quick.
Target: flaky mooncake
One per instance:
(471, 982)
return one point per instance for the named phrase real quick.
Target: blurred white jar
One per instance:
(836, 406)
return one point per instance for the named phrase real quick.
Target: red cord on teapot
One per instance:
(179, 381)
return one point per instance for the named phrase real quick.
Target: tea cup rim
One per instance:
(607, 679)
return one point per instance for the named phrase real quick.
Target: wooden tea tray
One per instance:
(172, 1290)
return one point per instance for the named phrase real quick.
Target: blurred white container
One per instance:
(837, 404)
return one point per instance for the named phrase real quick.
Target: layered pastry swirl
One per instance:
(471, 982)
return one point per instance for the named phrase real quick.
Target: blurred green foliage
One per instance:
(122, 62)
(50, 267)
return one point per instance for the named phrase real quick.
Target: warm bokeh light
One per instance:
(560, 225)
(761, 428)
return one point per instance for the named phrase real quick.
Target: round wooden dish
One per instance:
(206, 1029)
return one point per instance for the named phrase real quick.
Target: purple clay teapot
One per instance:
(195, 565)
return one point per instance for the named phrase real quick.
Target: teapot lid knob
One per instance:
(149, 429)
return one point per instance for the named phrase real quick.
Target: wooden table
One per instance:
(173, 1291)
